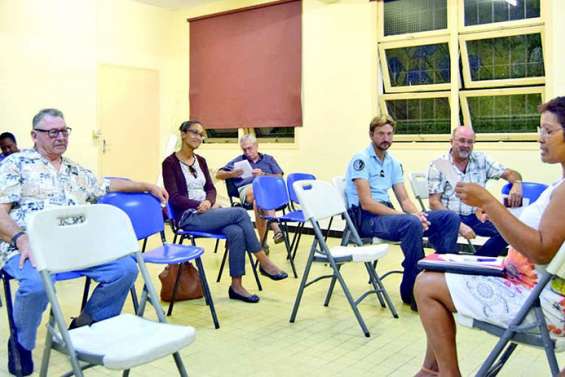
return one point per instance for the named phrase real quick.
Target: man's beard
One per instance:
(383, 146)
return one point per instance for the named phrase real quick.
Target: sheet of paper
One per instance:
(445, 167)
(245, 166)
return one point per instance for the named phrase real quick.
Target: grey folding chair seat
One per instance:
(320, 200)
(80, 237)
(520, 331)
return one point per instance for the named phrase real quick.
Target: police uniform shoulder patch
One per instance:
(358, 164)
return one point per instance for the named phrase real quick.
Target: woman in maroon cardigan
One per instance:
(193, 195)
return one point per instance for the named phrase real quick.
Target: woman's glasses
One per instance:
(201, 135)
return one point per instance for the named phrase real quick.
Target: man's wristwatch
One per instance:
(15, 238)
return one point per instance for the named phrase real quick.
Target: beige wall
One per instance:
(52, 48)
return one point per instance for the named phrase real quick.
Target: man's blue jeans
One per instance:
(407, 229)
(115, 279)
(495, 244)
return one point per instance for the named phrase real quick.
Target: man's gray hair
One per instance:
(40, 115)
(248, 138)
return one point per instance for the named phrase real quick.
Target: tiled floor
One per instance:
(258, 340)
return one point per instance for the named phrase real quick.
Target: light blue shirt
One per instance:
(382, 175)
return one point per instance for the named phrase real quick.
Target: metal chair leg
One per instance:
(206, 291)
(254, 269)
(302, 284)
(175, 287)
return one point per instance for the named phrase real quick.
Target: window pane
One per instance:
(479, 12)
(283, 133)
(412, 16)
(420, 116)
(419, 65)
(221, 135)
(505, 114)
(506, 57)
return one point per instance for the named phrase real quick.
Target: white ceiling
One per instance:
(176, 4)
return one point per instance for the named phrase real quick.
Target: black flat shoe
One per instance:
(253, 299)
(280, 276)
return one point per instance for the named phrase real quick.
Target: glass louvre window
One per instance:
(275, 133)
(420, 116)
(418, 65)
(221, 135)
(509, 57)
(478, 12)
(413, 16)
(505, 114)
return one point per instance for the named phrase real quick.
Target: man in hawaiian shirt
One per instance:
(40, 178)
(476, 167)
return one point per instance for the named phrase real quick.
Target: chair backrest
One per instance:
(270, 192)
(419, 184)
(143, 209)
(557, 264)
(530, 190)
(78, 237)
(293, 177)
(339, 183)
(319, 199)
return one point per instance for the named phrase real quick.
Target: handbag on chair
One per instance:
(189, 286)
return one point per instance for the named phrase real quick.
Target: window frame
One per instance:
(493, 26)
(419, 95)
(474, 84)
(403, 37)
(383, 46)
(498, 136)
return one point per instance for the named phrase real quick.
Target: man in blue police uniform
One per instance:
(370, 174)
(262, 164)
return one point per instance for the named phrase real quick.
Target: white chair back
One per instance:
(339, 183)
(557, 264)
(319, 199)
(419, 184)
(78, 237)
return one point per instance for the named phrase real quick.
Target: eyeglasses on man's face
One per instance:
(195, 133)
(54, 132)
(545, 133)
(463, 141)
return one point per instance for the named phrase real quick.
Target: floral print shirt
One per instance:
(29, 182)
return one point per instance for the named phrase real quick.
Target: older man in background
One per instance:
(475, 167)
(261, 164)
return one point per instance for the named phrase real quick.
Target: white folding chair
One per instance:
(419, 184)
(524, 332)
(339, 183)
(320, 200)
(76, 238)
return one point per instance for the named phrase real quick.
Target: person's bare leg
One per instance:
(260, 224)
(237, 286)
(267, 263)
(435, 308)
(429, 368)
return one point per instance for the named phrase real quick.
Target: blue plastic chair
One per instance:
(194, 234)
(271, 194)
(530, 190)
(145, 213)
(294, 204)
